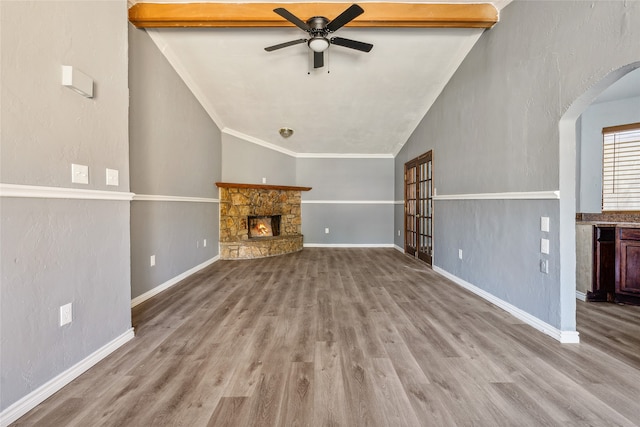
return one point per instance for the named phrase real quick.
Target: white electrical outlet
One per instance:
(459, 253)
(79, 174)
(398, 233)
(326, 230)
(544, 266)
(112, 177)
(204, 243)
(153, 260)
(544, 246)
(264, 180)
(544, 223)
(66, 314)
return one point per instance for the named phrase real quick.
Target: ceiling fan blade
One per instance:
(286, 44)
(292, 18)
(318, 59)
(352, 44)
(345, 17)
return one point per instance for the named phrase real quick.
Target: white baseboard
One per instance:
(348, 245)
(399, 248)
(581, 296)
(33, 399)
(565, 337)
(169, 283)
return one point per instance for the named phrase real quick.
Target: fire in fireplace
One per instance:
(264, 226)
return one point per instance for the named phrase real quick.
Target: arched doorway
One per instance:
(568, 179)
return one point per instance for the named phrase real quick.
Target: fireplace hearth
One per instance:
(259, 221)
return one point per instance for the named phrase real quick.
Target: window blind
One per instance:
(621, 168)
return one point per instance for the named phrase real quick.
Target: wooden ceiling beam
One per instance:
(412, 15)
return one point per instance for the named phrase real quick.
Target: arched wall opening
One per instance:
(567, 174)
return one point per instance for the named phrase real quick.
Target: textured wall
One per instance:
(45, 126)
(57, 251)
(340, 186)
(595, 118)
(495, 128)
(351, 197)
(247, 163)
(175, 151)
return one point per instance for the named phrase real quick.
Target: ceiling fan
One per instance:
(319, 29)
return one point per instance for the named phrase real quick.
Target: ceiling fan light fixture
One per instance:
(285, 132)
(318, 44)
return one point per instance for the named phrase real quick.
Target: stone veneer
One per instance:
(239, 201)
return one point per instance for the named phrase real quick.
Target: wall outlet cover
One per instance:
(66, 314)
(544, 266)
(152, 260)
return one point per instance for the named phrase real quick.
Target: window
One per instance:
(621, 168)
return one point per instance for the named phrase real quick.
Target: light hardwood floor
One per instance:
(350, 337)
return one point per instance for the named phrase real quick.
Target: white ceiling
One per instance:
(368, 104)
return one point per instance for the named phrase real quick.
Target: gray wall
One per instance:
(596, 117)
(175, 151)
(56, 251)
(247, 163)
(495, 128)
(351, 197)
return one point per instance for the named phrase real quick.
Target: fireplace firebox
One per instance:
(263, 226)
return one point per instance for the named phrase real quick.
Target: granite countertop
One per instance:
(610, 219)
(610, 224)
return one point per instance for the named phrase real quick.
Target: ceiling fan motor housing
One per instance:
(318, 25)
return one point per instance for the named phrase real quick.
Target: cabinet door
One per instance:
(628, 262)
(604, 264)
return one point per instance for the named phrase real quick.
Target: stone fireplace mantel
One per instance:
(238, 202)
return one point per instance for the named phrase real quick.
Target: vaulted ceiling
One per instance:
(358, 104)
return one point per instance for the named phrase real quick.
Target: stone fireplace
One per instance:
(259, 221)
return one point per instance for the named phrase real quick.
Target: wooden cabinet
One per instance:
(604, 264)
(628, 265)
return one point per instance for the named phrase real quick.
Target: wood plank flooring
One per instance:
(350, 337)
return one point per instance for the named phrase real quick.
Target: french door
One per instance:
(418, 207)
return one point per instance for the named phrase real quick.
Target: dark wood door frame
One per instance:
(418, 207)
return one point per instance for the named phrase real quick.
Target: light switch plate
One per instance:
(152, 260)
(544, 246)
(79, 174)
(112, 177)
(544, 223)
